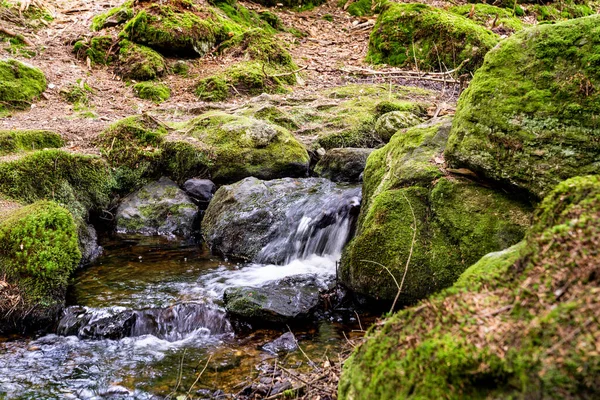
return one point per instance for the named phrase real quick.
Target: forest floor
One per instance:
(333, 49)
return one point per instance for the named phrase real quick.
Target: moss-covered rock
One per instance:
(20, 84)
(38, 253)
(518, 324)
(16, 141)
(140, 62)
(113, 17)
(390, 123)
(176, 28)
(157, 92)
(437, 39)
(529, 118)
(97, 49)
(237, 147)
(343, 165)
(561, 11)
(415, 213)
(78, 182)
(362, 8)
(491, 17)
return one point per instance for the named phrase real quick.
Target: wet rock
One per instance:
(159, 208)
(88, 244)
(200, 190)
(284, 343)
(274, 221)
(343, 165)
(291, 298)
(390, 123)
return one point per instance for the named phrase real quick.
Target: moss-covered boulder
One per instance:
(390, 123)
(78, 182)
(237, 147)
(175, 27)
(113, 17)
(420, 219)
(38, 252)
(140, 62)
(521, 323)
(529, 118)
(16, 141)
(20, 84)
(343, 165)
(436, 39)
(159, 208)
(497, 19)
(156, 92)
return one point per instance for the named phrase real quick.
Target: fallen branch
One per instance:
(22, 38)
(287, 73)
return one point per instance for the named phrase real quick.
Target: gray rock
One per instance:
(88, 244)
(159, 208)
(201, 190)
(344, 164)
(261, 220)
(388, 124)
(286, 342)
(291, 298)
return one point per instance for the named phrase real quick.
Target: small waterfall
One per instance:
(318, 226)
(175, 323)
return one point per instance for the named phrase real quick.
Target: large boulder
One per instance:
(521, 323)
(273, 220)
(20, 84)
(38, 252)
(159, 208)
(428, 38)
(529, 118)
(421, 223)
(343, 165)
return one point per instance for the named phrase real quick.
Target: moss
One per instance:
(458, 221)
(297, 5)
(239, 147)
(157, 92)
(132, 148)
(113, 17)
(248, 18)
(436, 38)
(15, 141)
(97, 49)
(77, 94)
(140, 62)
(363, 8)
(485, 15)
(174, 29)
(38, 253)
(272, 19)
(80, 183)
(562, 11)
(500, 331)
(20, 84)
(529, 118)
(181, 67)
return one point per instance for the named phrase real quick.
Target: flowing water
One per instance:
(147, 317)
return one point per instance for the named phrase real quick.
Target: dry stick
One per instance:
(365, 71)
(298, 344)
(16, 35)
(179, 377)
(198, 377)
(288, 73)
(393, 277)
(358, 318)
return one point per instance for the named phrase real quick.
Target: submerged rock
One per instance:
(343, 165)
(284, 343)
(529, 118)
(416, 213)
(159, 208)
(278, 220)
(295, 297)
(527, 314)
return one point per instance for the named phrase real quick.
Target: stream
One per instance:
(148, 316)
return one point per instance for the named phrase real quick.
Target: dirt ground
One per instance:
(328, 52)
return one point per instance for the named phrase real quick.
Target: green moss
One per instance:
(363, 8)
(172, 30)
(97, 49)
(529, 118)
(15, 141)
(114, 16)
(80, 183)
(562, 11)
(77, 94)
(485, 15)
(436, 38)
(457, 221)
(248, 18)
(500, 331)
(140, 62)
(272, 19)
(157, 92)
(20, 84)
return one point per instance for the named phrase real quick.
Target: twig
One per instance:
(412, 245)
(415, 57)
(358, 319)
(198, 377)
(179, 377)
(393, 277)
(311, 363)
(16, 35)
(287, 73)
